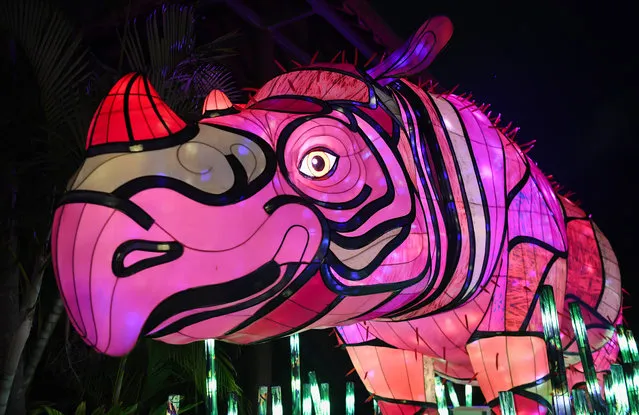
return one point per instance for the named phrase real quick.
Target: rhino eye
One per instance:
(318, 164)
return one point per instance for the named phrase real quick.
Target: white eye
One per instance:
(318, 164)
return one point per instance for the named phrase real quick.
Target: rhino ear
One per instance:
(417, 53)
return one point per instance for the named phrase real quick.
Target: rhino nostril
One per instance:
(147, 254)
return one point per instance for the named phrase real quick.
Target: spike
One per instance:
(350, 372)
(433, 86)
(314, 57)
(216, 100)
(368, 62)
(383, 57)
(296, 63)
(343, 56)
(488, 114)
(625, 291)
(365, 375)
(280, 66)
(451, 91)
(370, 398)
(474, 377)
(355, 59)
(133, 115)
(335, 57)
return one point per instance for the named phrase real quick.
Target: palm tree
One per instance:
(55, 83)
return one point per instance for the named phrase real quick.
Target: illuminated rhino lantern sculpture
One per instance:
(338, 197)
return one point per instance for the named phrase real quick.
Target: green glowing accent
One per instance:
(232, 404)
(325, 399)
(452, 394)
(507, 403)
(276, 400)
(624, 347)
(558, 380)
(440, 394)
(296, 381)
(350, 398)
(630, 369)
(632, 346)
(590, 373)
(307, 401)
(618, 382)
(376, 409)
(609, 394)
(469, 395)
(262, 400)
(173, 404)
(315, 393)
(211, 381)
(579, 399)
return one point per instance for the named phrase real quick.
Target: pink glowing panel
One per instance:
(338, 196)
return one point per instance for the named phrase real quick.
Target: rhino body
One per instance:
(338, 197)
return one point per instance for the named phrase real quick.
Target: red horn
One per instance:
(216, 100)
(133, 117)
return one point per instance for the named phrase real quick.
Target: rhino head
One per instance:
(298, 210)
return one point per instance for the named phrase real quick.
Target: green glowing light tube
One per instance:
(557, 367)
(276, 400)
(350, 398)
(296, 382)
(211, 381)
(590, 373)
(262, 400)
(579, 399)
(507, 403)
(307, 401)
(440, 394)
(469, 395)
(325, 397)
(315, 393)
(232, 410)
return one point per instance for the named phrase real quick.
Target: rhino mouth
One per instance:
(249, 285)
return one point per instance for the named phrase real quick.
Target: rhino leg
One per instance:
(394, 377)
(516, 363)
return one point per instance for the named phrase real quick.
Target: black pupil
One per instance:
(318, 163)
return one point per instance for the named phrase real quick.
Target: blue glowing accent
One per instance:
(450, 205)
(242, 151)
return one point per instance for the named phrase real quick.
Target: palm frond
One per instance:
(54, 50)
